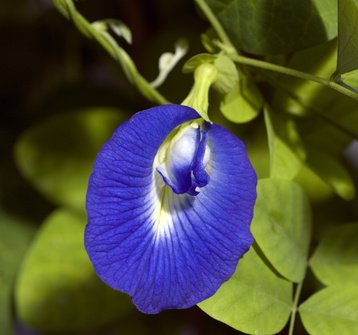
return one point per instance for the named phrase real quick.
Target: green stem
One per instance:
(215, 23)
(294, 307)
(294, 73)
(198, 97)
(68, 9)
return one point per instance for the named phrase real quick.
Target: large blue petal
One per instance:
(164, 249)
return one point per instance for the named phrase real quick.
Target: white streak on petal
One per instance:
(164, 203)
(161, 217)
(207, 155)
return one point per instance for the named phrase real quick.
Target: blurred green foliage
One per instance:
(57, 289)
(56, 155)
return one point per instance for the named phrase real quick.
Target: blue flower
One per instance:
(169, 204)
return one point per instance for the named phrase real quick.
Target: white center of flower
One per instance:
(180, 164)
(182, 158)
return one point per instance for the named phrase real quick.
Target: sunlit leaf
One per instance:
(332, 311)
(321, 61)
(57, 289)
(332, 171)
(314, 186)
(335, 261)
(273, 27)
(254, 300)
(14, 240)
(56, 155)
(306, 98)
(286, 149)
(228, 76)
(282, 226)
(350, 79)
(243, 103)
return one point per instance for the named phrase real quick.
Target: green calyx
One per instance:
(198, 98)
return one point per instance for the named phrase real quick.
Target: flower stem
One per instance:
(294, 307)
(294, 73)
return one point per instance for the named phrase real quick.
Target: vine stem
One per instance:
(294, 307)
(294, 73)
(215, 23)
(68, 9)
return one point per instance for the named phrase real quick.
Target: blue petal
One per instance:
(164, 249)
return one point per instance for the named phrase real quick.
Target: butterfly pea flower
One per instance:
(169, 204)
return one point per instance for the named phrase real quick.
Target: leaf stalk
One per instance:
(294, 307)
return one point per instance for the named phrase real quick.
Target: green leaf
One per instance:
(332, 311)
(282, 226)
(332, 171)
(228, 76)
(286, 148)
(306, 98)
(350, 79)
(335, 261)
(57, 289)
(347, 36)
(243, 103)
(325, 174)
(257, 149)
(273, 27)
(314, 186)
(326, 137)
(14, 239)
(56, 155)
(254, 300)
(320, 61)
